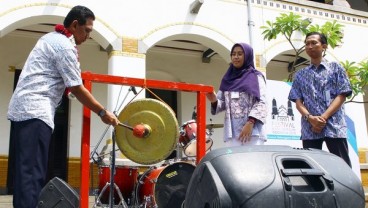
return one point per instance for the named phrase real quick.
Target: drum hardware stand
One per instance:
(148, 202)
(209, 133)
(109, 153)
(108, 184)
(94, 151)
(122, 202)
(179, 154)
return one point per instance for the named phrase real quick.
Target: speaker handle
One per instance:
(301, 172)
(306, 172)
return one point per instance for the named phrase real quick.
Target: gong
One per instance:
(160, 129)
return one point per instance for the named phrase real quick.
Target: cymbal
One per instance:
(214, 126)
(162, 137)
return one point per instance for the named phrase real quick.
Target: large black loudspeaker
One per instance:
(58, 194)
(272, 176)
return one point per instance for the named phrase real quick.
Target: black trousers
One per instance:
(337, 146)
(31, 139)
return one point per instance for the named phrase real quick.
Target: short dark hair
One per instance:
(322, 37)
(79, 13)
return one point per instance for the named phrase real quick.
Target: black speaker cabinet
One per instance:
(273, 176)
(58, 194)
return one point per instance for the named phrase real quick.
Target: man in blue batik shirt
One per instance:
(319, 91)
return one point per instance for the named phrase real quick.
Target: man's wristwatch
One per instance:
(306, 117)
(102, 112)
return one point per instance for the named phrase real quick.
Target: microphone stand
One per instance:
(111, 184)
(132, 88)
(112, 172)
(112, 162)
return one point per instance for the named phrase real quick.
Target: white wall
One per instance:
(190, 69)
(13, 51)
(222, 22)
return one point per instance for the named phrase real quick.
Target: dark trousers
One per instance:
(31, 139)
(337, 146)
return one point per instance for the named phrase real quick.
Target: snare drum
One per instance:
(125, 178)
(165, 186)
(188, 138)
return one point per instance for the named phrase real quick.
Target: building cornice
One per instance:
(315, 10)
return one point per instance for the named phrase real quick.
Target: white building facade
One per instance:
(165, 40)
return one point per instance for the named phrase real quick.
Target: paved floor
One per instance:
(6, 201)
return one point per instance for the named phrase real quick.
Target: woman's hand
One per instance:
(246, 133)
(211, 96)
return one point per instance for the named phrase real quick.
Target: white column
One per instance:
(125, 65)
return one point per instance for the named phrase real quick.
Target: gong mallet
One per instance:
(139, 130)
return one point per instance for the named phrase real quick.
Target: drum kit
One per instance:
(148, 134)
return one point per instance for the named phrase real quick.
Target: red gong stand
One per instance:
(89, 78)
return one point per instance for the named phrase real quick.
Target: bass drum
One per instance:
(165, 186)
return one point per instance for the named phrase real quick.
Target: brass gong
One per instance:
(162, 127)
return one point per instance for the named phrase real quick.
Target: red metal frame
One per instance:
(89, 78)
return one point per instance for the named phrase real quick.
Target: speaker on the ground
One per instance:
(58, 194)
(273, 176)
